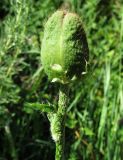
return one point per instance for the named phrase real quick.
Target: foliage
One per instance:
(94, 127)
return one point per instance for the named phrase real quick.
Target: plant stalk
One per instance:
(61, 114)
(11, 143)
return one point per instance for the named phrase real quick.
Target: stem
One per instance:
(61, 114)
(11, 143)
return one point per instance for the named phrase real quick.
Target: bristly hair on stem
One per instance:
(57, 122)
(60, 123)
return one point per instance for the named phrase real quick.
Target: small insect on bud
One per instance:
(64, 52)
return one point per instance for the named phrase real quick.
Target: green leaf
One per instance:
(88, 131)
(30, 107)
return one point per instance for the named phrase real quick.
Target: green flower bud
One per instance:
(64, 51)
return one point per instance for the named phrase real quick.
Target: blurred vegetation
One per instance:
(94, 125)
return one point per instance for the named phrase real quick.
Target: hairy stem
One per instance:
(61, 113)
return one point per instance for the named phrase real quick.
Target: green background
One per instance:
(94, 122)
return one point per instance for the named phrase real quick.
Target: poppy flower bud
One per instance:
(64, 52)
